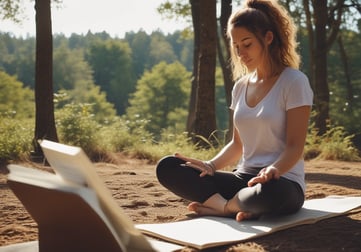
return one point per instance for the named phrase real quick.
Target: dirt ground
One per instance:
(135, 188)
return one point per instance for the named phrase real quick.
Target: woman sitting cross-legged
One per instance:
(271, 103)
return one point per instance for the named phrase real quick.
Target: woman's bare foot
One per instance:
(202, 210)
(233, 209)
(216, 205)
(240, 216)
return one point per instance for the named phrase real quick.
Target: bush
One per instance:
(335, 144)
(312, 146)
(123, 135)
(15, 138)
(76, 126)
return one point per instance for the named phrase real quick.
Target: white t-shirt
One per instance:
(263, 128)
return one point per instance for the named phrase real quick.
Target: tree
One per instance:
(224, 57)
(70, 68)
(112, 70)
(18, 58)
(195, 9)
(16, 100)
(205, 117)
(201, 116)
(344, 77)
(161, 94)
(323, 27)
(139, 43)
(160, 50)
(10, 9)
(44, 105)
(73, 81)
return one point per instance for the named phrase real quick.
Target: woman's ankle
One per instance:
(216, 202)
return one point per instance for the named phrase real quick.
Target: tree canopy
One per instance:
(161, 97)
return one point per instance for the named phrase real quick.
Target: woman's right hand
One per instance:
(197, 164)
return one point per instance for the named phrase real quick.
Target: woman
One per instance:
(271, 102)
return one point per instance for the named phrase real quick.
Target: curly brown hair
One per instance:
(259, 17)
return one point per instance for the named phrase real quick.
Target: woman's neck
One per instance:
(266, 74)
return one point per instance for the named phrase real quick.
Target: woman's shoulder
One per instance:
(241, 82)
(290, 74)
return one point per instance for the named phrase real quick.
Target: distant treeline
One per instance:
(116, 65)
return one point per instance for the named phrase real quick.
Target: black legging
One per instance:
(280, 196)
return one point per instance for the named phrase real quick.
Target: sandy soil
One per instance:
(135, 188)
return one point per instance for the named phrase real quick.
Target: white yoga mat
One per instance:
(204, 232)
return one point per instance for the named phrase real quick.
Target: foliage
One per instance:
(345, 84)
(166, 54)
(312, 145)
(15, 138)
(71, 71)
(140, 44)
(101, 108)
(161, 95)
(76, 126)
(140, 133)
(124, 135)
(112, 70)
(334, 144)
(14, 99)
(10, 9)
(99, 140)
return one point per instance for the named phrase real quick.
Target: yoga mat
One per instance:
(205, 232)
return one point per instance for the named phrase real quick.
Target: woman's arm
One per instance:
(229, 154)
(296, 131)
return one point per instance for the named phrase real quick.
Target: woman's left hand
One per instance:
(265, 175)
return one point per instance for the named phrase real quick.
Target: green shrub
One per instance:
(312, 146)
(15, 138)
(76, 126)
(336, 145)
(122, 135)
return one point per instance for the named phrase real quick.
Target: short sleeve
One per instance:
(299, 92)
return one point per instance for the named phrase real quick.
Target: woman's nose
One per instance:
(239, 52)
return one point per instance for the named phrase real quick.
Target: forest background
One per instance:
(132, 94)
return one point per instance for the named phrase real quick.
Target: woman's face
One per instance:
(247, 47)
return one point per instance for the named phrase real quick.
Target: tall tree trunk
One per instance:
(205, 120)
(331, 18)
(346, 68)
(224, 60)
(44, 105)
(320, 65)
(195, 9)
(311, 39)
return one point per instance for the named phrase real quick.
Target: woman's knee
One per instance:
(166, 167)
(278, 196)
